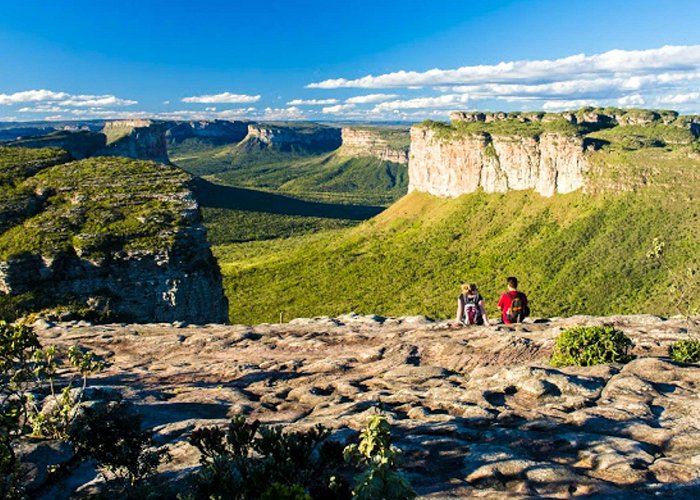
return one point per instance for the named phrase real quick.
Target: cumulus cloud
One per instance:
(64, 99)
(568, 104)
(443, 101)
(290, 113)
(631, 100)
(370, 98)
(669, 74)
(31, 96)
(690, 97)
(223, 98)
(673, 58)
(337, 109)
(312, 102)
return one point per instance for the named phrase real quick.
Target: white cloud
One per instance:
(224, 97)
(631, 100)
(667, 58)
(443, 101)
(370, 98)
(96, 101)
(690, 97)
(337, 109)
(31, 96)
(312, 102)
(568, 104)
(290, 113)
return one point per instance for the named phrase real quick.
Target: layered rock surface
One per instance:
(545, 152)
(290, 137)
(551, 163)
(477, 410)
(139, 139)
(374, 143)
(213, 132)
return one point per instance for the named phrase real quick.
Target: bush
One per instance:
(380, 459)
(111, 434)
(248, 460)
(18, 343)
(591, 345)
(686, 351)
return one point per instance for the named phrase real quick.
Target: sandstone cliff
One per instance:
(545, 152)
(292, 137)
(214, 132)
(112, 237)
(386, 145)
(551, 163)
(139, 139)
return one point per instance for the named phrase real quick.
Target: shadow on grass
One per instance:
(217, 196)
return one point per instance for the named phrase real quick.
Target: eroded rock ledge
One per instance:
(478, 410)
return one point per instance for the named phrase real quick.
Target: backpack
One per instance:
(518, 310)
(472, 311)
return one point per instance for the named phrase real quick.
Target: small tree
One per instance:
(380, 460)
(54, 419)
(18, 343)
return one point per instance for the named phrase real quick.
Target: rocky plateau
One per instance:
(478, 411)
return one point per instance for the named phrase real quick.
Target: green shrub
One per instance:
(686, 351)
(18, 343)
(111, 434)
(591, 345)
(53, 420)
(246, 460)
(380, 461)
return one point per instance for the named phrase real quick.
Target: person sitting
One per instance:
(513, 304)
(470, 306)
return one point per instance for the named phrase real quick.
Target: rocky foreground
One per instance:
(477, 410)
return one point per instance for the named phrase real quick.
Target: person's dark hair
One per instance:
(512, 282)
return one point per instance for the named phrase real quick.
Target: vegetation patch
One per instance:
(591, 345)
(686, 351)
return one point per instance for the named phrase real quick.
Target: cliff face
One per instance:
(214, 132)
(551, 163)
(139, 139)
(312, 138)
(110, 235)
(366, 142)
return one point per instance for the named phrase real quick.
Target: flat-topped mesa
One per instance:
(545, 152)
(386, 145)
(120, 238)
(139, 139)
(214, 132)
(288, 137)
(548, 163)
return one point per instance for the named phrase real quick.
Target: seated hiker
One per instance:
(513, 304)
(470, 307)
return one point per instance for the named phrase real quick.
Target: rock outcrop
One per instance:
(214, 132)
(550, 163)
(139, 139)
(110, 237)
(291, 137)
(478, 411)
(377, 143)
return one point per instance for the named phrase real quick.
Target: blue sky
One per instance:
(359, 60)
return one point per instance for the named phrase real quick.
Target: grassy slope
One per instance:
(577, 253)
(332, 178)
